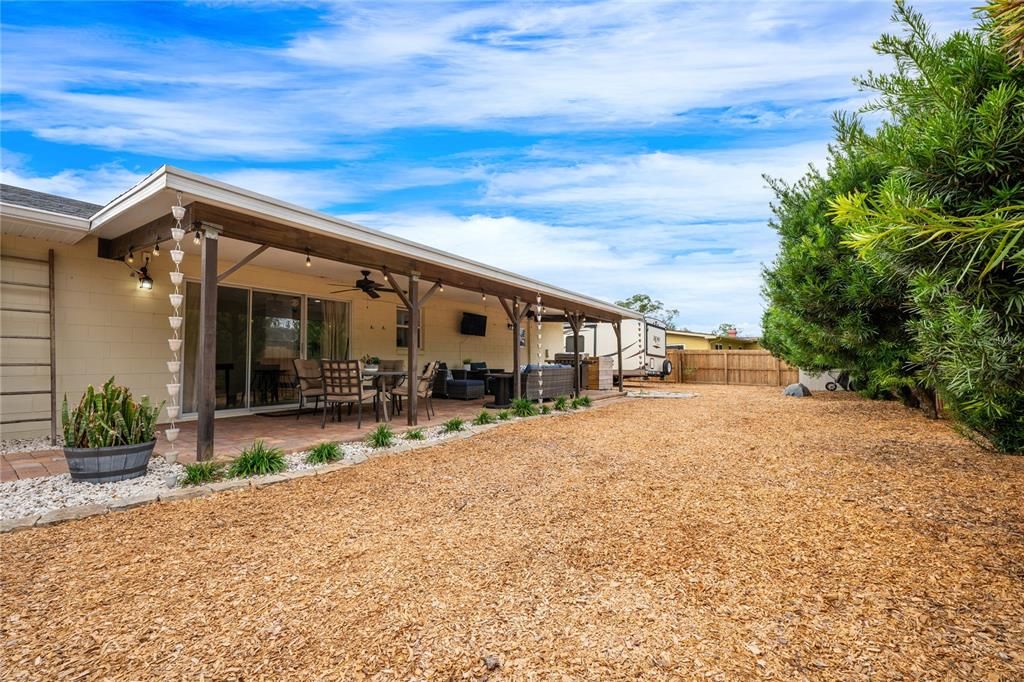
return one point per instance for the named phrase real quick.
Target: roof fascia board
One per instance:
(142, 190)
(45, 218)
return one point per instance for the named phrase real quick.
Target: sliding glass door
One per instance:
(232, 346)
(276, 342)
(259, 334)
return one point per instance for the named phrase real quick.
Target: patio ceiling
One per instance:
(141, 217)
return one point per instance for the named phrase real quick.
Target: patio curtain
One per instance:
(334, 332)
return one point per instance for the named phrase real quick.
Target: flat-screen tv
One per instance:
(473, 324)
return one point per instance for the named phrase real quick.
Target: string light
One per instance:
(440, 287)
(131, 256)
(309, 261)
(196, 238)
(483, 296)
(156, 249)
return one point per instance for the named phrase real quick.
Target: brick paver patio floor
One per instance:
(233, 434)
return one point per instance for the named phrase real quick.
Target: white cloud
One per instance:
(97, 185)
(534, 67)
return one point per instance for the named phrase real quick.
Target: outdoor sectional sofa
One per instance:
(557, 381)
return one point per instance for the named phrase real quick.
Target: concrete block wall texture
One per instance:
(107, 326)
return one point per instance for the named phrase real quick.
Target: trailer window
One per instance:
(574, 342)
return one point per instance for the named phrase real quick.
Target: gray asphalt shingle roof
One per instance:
(30, 198)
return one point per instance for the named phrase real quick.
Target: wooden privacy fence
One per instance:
(740, 367)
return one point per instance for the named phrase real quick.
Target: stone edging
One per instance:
(86, 510)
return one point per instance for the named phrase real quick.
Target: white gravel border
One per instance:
(45, 500)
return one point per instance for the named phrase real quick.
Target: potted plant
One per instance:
(371, 363)
(109, 436)
(467, 364)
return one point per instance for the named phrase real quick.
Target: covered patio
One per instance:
(231, 230)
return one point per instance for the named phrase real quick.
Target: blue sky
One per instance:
(609, 147)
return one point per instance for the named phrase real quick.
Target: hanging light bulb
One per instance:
(440, 287)
(156, 249)
(309, 261)
(195, 237)
(131, 256)
(483, 296)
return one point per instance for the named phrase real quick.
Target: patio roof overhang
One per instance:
(140, 218)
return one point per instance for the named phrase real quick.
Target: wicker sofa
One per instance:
(557, 381)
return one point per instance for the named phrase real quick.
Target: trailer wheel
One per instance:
(666, 368)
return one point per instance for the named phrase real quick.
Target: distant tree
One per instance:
(724, 329)
(652, 308)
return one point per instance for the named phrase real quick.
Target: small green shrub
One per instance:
(504, 415)
(562, 403)
(544, 409)
(484, 417)
(199, 473)
(258, 460)
(324, 453)
(582, 401)
(381, 437)
(415, 434)
(453, 425)
(524, 407)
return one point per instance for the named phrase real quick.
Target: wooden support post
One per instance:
(617, 327)
(576, 324)
(517, 380)
(53, 353)
(206, 363)
(414, 348)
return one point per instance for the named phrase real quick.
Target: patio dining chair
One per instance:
(343, 385)
(424, 389)
(311, 384)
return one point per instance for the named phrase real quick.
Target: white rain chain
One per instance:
(540, 356)
(174, 365)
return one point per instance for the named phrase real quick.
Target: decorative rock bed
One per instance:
(53, 499)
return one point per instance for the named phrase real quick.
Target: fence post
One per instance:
(725, 356)
(778, 372)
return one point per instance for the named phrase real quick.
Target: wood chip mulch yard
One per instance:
(740, 534)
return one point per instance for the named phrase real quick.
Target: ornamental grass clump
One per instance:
(453, 425)
(504, 415)
(415, 434)
(324, 453)
(524, 407)
(258, 460)
(109, 417)
(381, 437)
(484, 417)
(582, 401)
(562, 403)
(198, 473)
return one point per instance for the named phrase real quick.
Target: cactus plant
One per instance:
(109, 417)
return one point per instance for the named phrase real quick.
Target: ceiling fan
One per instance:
(367, 286)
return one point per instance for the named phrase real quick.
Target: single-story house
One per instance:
(684, 339)
(263, 282)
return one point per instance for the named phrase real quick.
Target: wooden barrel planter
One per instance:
(107, 465)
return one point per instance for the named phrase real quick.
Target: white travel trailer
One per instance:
(643, 346)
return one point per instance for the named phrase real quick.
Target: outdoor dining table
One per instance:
(502, 382)
(378, 378)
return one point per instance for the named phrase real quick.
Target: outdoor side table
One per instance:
(502, 389)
